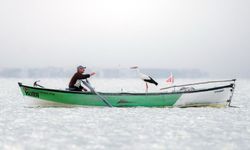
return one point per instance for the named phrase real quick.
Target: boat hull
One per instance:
(219, 96)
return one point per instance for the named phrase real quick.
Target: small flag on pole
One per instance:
(170, 79)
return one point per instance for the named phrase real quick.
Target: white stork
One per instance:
(147, 79)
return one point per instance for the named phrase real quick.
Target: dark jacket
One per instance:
(77, 76)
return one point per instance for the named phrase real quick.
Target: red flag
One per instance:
(170, 79)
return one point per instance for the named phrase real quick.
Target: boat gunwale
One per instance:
(127, 93)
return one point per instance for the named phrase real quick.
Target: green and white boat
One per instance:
(180, 96)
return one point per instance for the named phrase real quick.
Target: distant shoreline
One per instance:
(57, 72)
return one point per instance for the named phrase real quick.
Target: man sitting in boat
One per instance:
(75, 82)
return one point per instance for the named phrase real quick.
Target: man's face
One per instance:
(81, 70)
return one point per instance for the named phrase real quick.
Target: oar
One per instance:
(197, 83)
(92, 90)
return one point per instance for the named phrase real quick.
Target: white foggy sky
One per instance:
(211, 35)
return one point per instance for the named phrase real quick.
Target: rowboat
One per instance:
(180, 96)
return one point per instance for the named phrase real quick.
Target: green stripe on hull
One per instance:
(90, 99)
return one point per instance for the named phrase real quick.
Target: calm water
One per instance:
(23, 125)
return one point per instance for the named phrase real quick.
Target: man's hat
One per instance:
(81, 67)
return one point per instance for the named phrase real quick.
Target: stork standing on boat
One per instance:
(147, 79)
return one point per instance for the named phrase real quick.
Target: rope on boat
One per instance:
(231, 96)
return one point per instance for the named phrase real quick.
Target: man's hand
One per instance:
(93, 73)
(84, 89)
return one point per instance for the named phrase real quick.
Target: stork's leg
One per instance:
(146, 87)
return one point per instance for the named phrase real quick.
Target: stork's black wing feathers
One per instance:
(151, 80)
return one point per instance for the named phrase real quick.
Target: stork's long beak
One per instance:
(135, 67)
